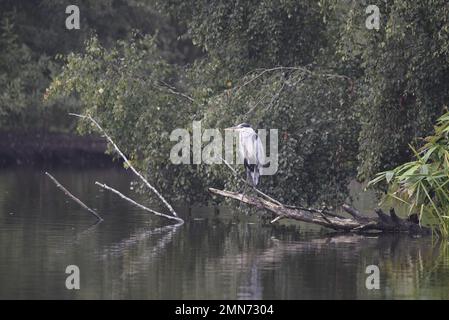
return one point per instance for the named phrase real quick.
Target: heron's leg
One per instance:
(243, 192)
(249, 182)
(259, 205)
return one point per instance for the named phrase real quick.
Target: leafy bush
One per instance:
(423, 184)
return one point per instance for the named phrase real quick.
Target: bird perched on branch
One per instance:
(251, 150)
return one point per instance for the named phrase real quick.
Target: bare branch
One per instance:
(67, 193)
(128, 163)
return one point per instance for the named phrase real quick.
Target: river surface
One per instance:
(217, 254)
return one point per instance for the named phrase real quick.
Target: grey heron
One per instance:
(251, 151)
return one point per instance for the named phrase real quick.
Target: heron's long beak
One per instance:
(232, 128)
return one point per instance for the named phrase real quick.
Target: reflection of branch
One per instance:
(145, 257)
(67, 193)
(128, 163)
(104, 186)
(82, 234)
(119, 248)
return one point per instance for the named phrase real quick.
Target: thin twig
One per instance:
(305, 70)
(121, 195)
(256, 104)
(127, 162)
(276, 219)
(67, 193)
(276, 96)
(173, 90)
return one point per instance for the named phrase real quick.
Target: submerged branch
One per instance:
(71, 196)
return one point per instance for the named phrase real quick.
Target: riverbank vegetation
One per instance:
(422, 185)
(347, 100)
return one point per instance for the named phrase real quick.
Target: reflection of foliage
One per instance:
(423, 184)
(260, 262)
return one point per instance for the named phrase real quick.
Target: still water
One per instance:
(216, 254)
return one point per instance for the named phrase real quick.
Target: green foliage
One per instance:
(423, 184)
(139, 96)
(274, 64)
(33, 36)
(315, 120)
(128, 89)
(402, 74)
(23, 79)
(248, 34)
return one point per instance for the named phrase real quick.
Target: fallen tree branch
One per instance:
(104, 186)
(353, 212)
(128, 163)
(320, 211)
(71, 196)
(357, 223)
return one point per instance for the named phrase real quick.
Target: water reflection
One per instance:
(216, 254)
